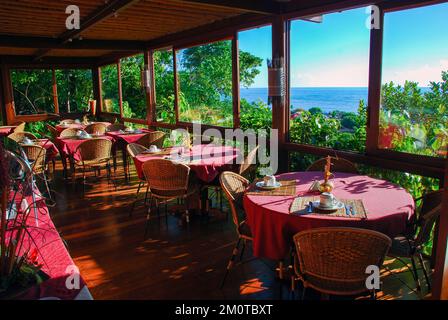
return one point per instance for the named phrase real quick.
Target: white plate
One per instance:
(337, 206)
(261, 185)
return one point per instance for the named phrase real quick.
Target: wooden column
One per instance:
(374, 98)
(280, 115)
(120, 91)
(2, 105)
(55, 92)
(151, 93)
(440, 277)
(236, 81)
(176, 87)
(8, 97)
(96, 78)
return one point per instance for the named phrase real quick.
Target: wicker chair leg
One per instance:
(47, 186)
(242, 249)
(425, 271)
(136, 199)
(146, 194)
(303, 293)
(148, 216)
(414, 271)
(231, 261)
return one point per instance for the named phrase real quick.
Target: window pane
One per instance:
(134, 97)
(414, 96)
(205, 84)
(329, 79)
(74, 89)
(164, 83)
(33, 91)
(109, 87)
(255, 47)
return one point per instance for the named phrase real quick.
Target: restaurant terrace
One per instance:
(224, 149)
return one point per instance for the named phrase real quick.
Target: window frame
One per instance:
(421, 164)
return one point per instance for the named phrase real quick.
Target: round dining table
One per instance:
(207, 161)
(80, 126)
(388, 209)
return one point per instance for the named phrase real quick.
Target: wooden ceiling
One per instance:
(36, 28)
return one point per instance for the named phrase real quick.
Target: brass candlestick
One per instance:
(327, 185)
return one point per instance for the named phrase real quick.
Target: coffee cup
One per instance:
(327, 200)
(270, 181)
(153, 148)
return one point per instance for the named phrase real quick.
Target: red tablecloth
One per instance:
(6, 130)
(68, 146)
(127, 138)
(80, 126)
(388, 209)
(207, 161)
(52, 254)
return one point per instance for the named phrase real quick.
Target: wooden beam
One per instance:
(206, 33)
(85, 44)
(255, 6)
(110, 8)
(440, 278)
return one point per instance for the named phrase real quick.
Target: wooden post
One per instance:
(2, 105)
(374, 98)
(120, 91)
(55, 92)
(176, 87)
(236, 81)
(8, 97)
(151, 94)
(440, 277)
(96, 78)
(280, 115)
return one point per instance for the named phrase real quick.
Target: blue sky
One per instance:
(335, 53)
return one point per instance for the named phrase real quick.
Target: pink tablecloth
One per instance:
(52, 254)
(207, 161)
(388, 209)
(127, 138)
(68, 146)
(6, 130)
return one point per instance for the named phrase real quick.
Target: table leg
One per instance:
(125, 161)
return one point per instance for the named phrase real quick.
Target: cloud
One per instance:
(423, 74)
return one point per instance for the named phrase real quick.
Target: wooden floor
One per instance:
(176, 261)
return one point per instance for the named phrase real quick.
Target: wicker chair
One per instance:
(116, 127)
(67, 121)
(37, 155)
(133, 150)
(19, 136)
(339, 165)
(234, 186)
(248, 166)
(410, 245)
(334, 260)
(95, 154)
(168, 181)
(152, 138)
(20, 127)
(68, 133)
(96, 128)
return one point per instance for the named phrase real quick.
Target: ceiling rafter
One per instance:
(254, 6)
(110, 8)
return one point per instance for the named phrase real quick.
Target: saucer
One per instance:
(337, 206)
(261, 185)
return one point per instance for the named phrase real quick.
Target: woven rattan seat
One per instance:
(68, 133)
(96, 128)
(334, 260)
(156, 138)
(234, 186)
(19, 136)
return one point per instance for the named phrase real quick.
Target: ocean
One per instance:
(328, 99)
